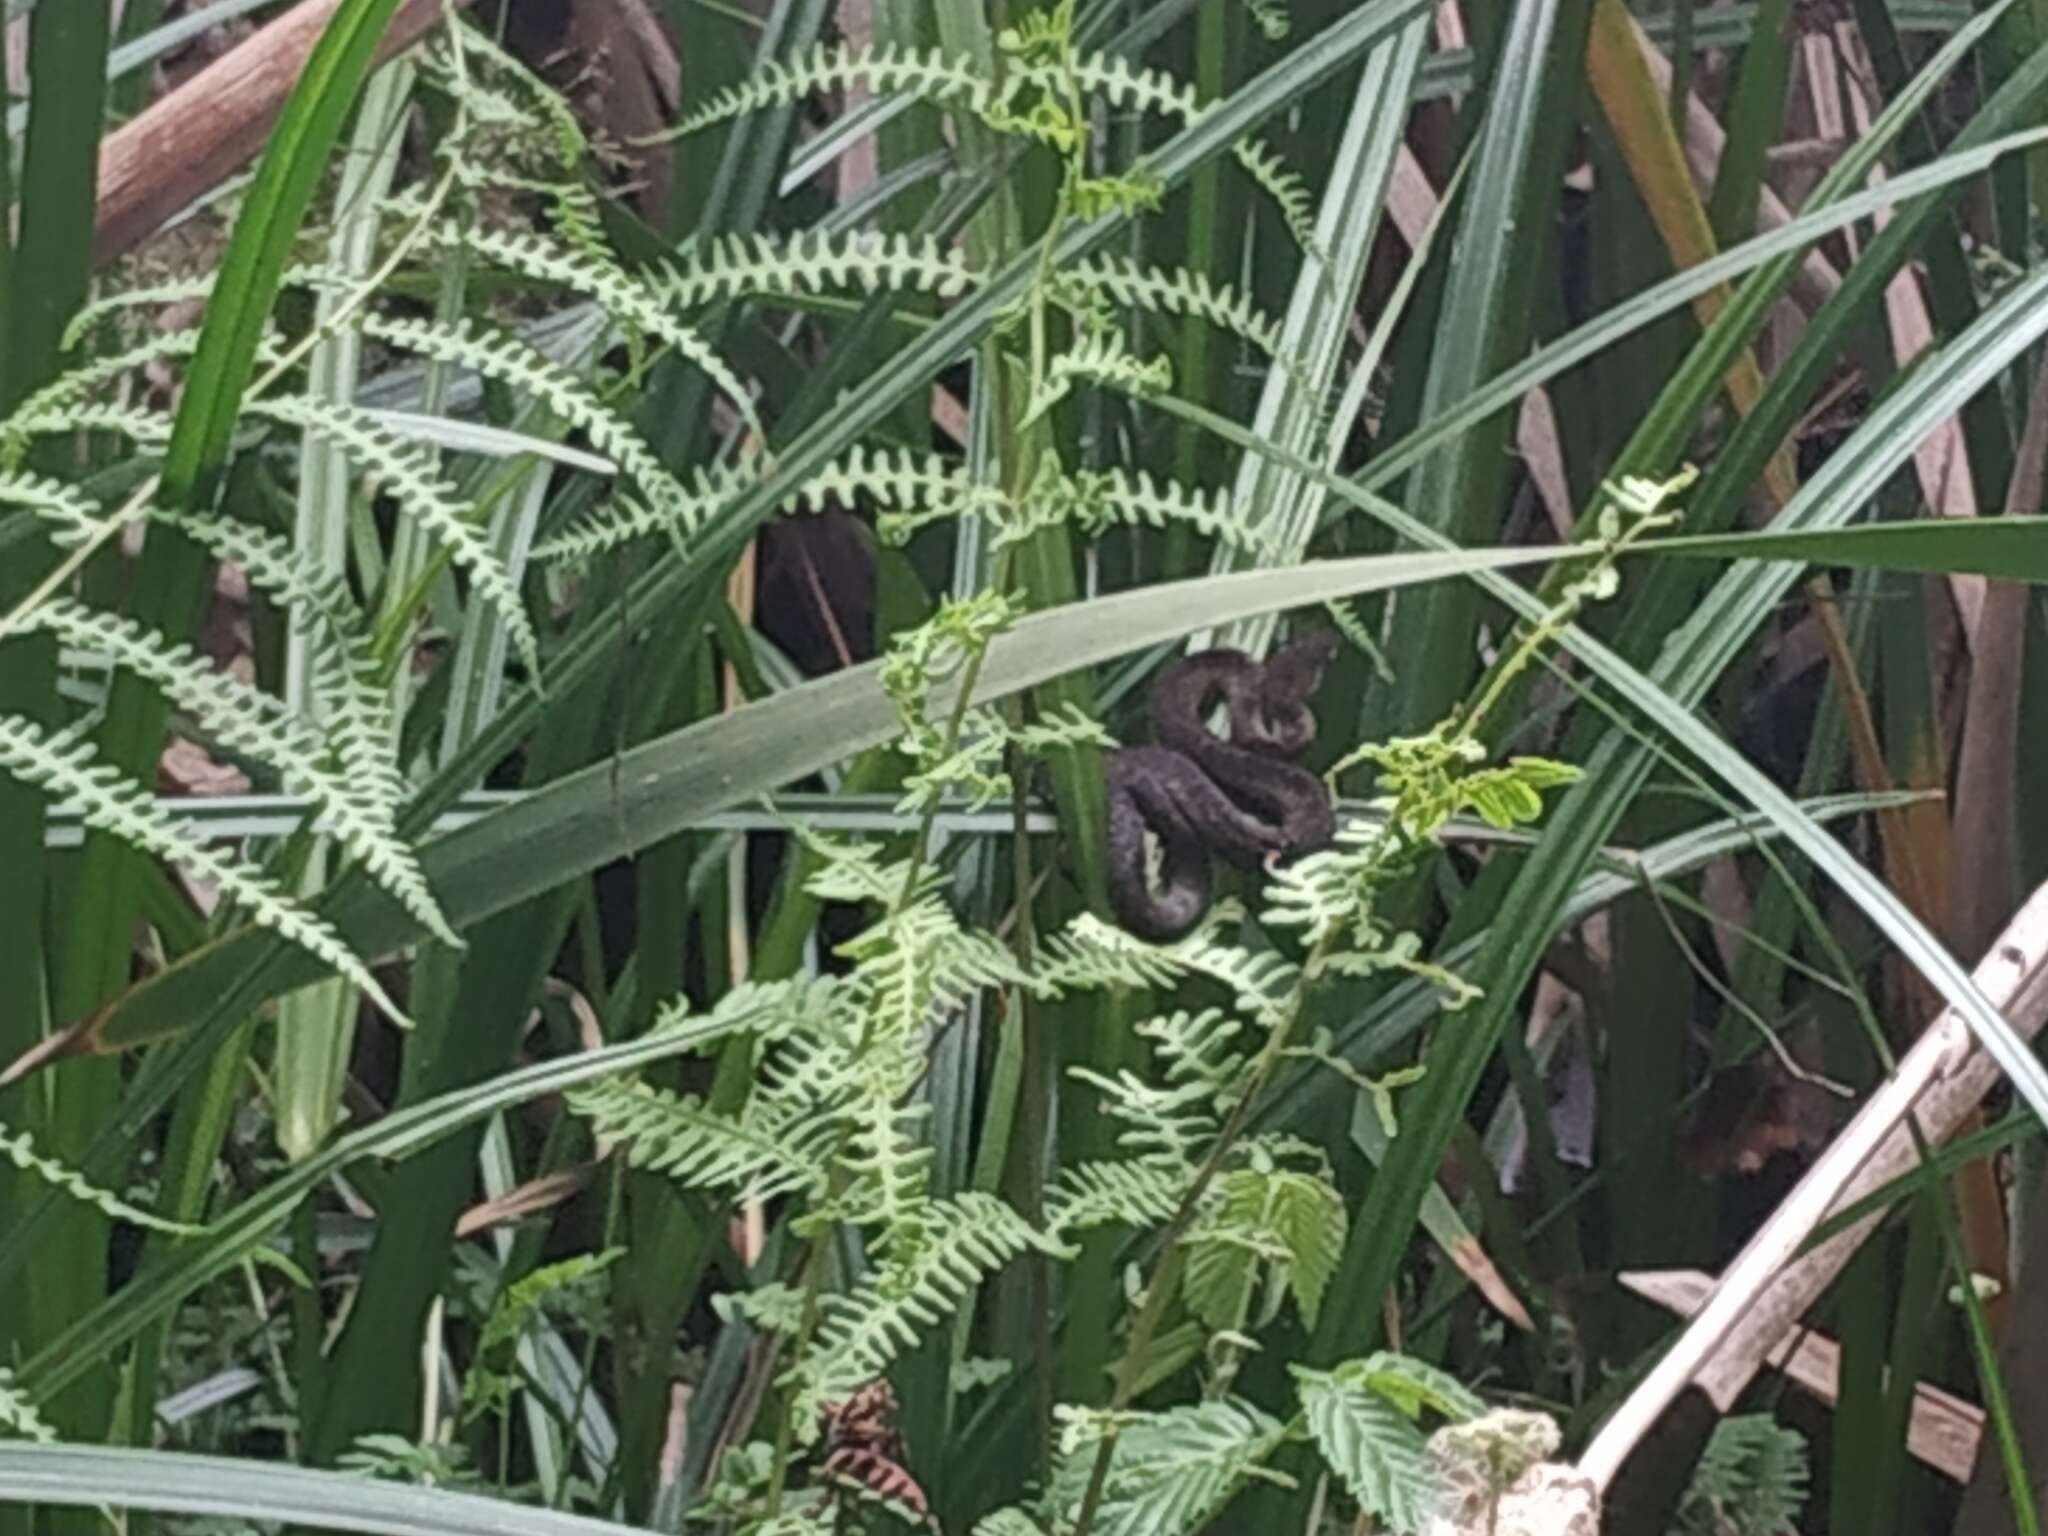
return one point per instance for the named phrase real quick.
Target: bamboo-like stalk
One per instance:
(1761, 1295)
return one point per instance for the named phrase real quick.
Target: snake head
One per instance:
(1291, 676)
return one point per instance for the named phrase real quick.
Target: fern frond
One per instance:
(18, 1147)
(1138, 1192)
(813, 262)
(360, 813)
(1174, 291)
(111, 804)
(79, 384)
(956, 1244)
(1198, 1047)
(147, 429)
(1258, 1221)
(763, 1158)
(412, 475)
(1120, 82)
(76, 517)
(1101, 359)
(1171, 1124)
(1172, 1472)
(1751, 1481)
(1375, 1449)
(621, 296)
(1060, 729)
(888, 1162)
(884, 69)
(516, 363)
(1090, 953)
(1094, 500)
(19, 1417)
(1285, 186)
(355, 711)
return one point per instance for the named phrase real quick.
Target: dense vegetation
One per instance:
(594, 705)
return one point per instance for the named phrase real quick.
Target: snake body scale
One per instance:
(1203, 796)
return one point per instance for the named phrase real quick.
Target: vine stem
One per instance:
(814, 1267)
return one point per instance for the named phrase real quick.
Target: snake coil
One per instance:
(1204, 796)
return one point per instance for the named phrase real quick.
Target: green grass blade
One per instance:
(653, 791)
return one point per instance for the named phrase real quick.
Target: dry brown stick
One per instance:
(1761, 1295)
(187, 142)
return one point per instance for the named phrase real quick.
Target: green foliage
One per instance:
(19, 1418)
(1751, 1481)
(1363, 1417)
(407, 1461)
(491, 1381)
(1170, 1472)
(1263, 1221)
(18, 1148)
(1008, 1161)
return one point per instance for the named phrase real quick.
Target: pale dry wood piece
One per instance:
(1943, 1429)
(1816, 280)
(1412, 201)
(1761, 1296)
(1450, 27)
(524, 1200)
(1983, 873)
(861, 163)
(629, 82)
(1941, 459)
(186, 143)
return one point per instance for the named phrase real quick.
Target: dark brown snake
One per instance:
(1203, 796)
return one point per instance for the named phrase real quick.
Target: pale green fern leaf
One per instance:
(19, 1417)
(1374, 1448)
(1091, 953)
(1171, 1124)
(906, 489)
(412, 476)
(1260, 1222)
(1171, 290)
(1094, 500)
(75, 517)
(18, 1147)
(358, 812)
(956, 1244)
(1199, 1047)
(1171, 1473)
(147, 429)
(514, 362)
(1290, 193)
(888, 1163)
(1060, 729)
(885, 70)
(621, 296)
(813, 262)
(1101, 359)
(1137, 1192)
(112, 805)
(765, 1157)
(355, 709)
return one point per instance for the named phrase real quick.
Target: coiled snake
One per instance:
(1202, 796)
